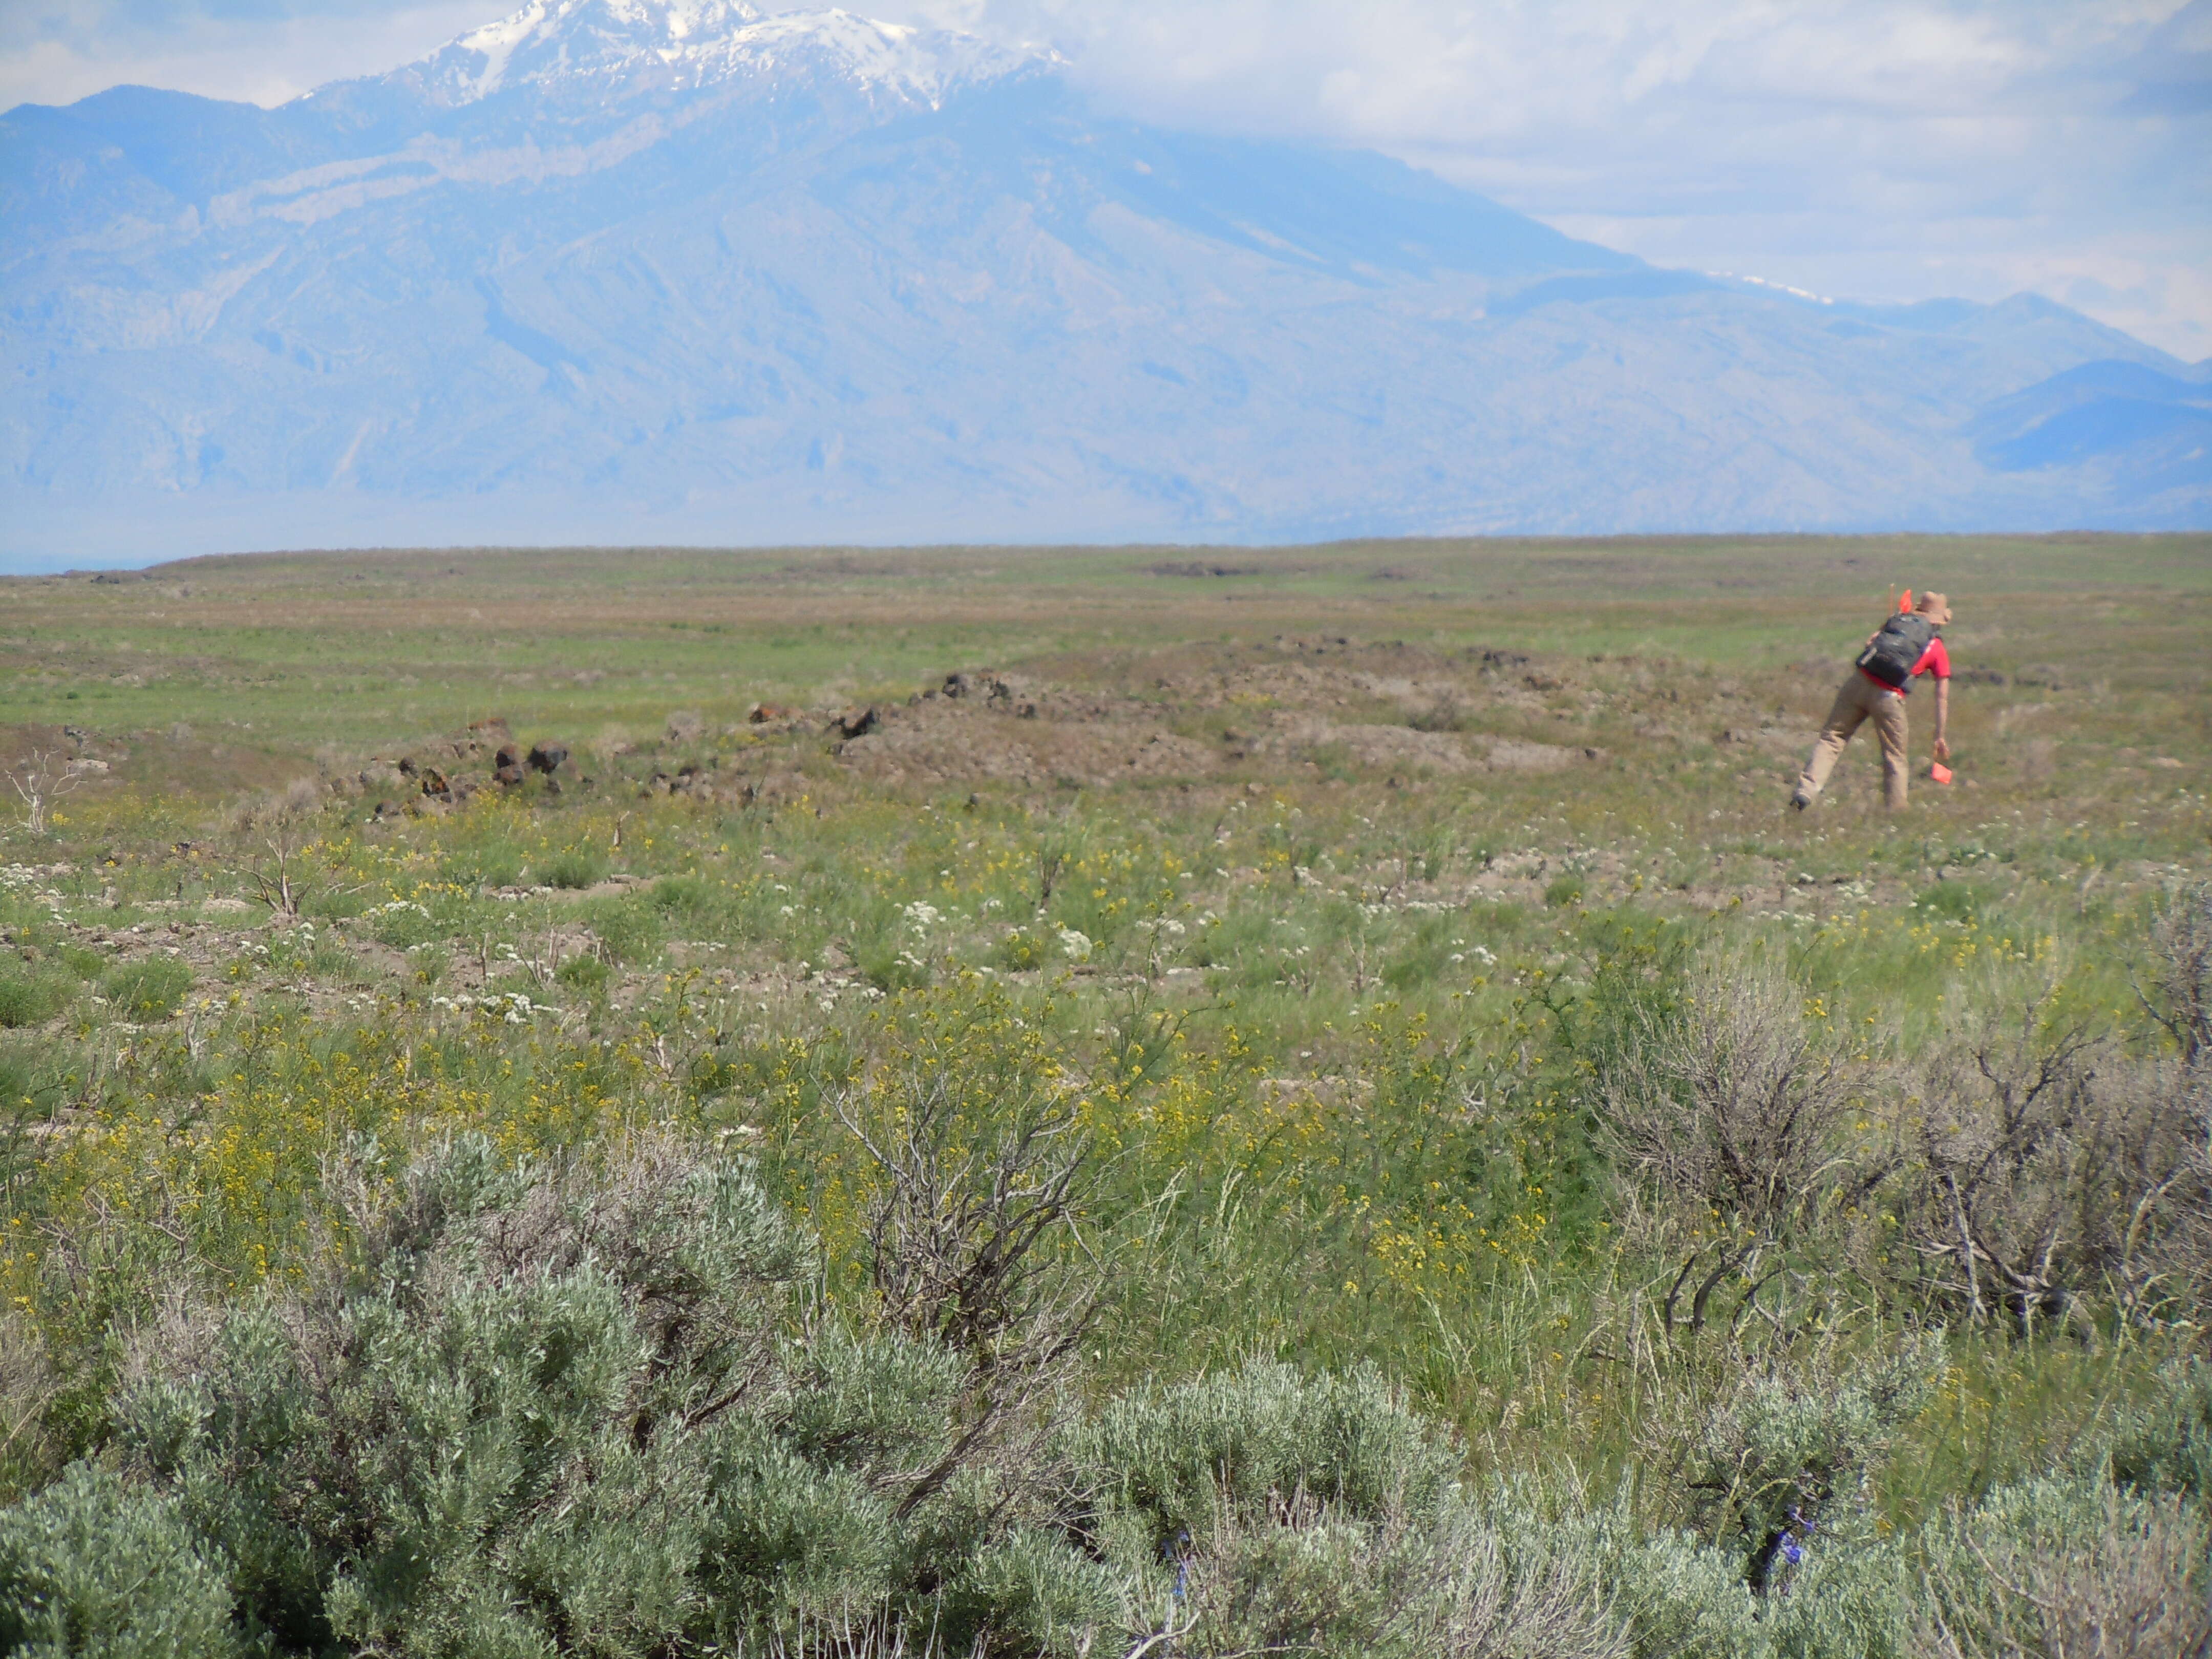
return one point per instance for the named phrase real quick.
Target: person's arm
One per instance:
(1943, 717)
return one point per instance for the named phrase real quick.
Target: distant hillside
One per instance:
(627, 272)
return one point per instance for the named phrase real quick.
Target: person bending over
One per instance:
(1908, 645)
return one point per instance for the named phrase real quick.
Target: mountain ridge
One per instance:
(831, 292)
(697, 42)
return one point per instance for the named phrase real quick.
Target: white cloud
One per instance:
(1881, 148)
(55, 52)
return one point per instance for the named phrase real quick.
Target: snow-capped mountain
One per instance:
(622, 271)
(570, 48)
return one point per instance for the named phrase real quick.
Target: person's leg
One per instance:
(1889, 712)
(1844, 719)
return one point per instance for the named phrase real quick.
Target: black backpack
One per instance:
(1890, 655)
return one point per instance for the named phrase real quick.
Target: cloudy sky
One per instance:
(1887, 150)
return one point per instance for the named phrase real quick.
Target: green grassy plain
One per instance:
(1319, 876)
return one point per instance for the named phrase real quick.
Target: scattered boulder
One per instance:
(547, 757)
(689, 779)
(407, 767)
(857, 722)
(507, 774)
(507, 758)
(983, 683)
(764, 713)
(434, 784)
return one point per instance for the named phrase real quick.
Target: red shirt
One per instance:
(1934, 661)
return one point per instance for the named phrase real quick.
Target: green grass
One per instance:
(269, 659)
(147, 990)
(1334, 1003)
(31, 999)
(573, 869)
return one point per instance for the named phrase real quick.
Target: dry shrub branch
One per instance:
(974, 1241)
(1728, 1110)
(2051, 1168)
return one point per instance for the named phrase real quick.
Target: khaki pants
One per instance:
(1861, 699)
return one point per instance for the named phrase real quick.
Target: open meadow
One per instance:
(1181, 1102)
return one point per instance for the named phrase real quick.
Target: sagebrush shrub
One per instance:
(1300, 1575)
(1789, 1456)
(2053, 1567)
(2164, 1444)
(588, 1407)
(1729, 1101)
(543, 1407)
(1028, 1593)
(1168, 1458)
(97, 1567)
(1676, 1596)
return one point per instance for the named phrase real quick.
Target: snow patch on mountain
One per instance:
(693, 43)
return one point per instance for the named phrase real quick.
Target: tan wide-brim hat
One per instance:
(1934, 606)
